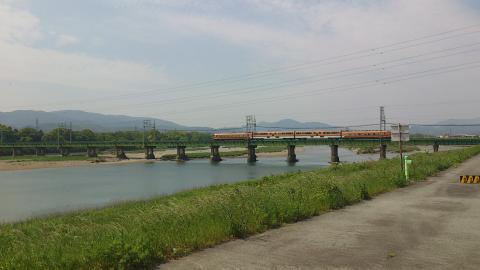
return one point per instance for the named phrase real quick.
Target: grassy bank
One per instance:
(394, 148)
(238, 153)
(140, 234)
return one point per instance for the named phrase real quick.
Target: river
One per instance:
(32, 193)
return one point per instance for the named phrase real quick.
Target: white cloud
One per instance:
(65, 40)
(322, 28)
(272, 32)
(21, 61)
(17, 25)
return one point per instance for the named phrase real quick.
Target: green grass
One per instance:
(372, 149)
(47, 158)
(237, 153)
(141, 234)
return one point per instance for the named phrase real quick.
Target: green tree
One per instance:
(30, 135)
(53, 135)
(8, 134)
(84, 135)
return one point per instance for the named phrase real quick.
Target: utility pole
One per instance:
(383, 121)
(400, 146)
(251, 126)
(58, 135)
(154, 131)
(383, 126)
(146, 124)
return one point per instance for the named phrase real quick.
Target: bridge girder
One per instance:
(240, 143)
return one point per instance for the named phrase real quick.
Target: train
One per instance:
(323, 134)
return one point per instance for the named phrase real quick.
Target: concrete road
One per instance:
(429, 225)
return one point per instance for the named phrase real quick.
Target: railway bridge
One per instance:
(120, 147)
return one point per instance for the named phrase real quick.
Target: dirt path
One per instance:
(430, 225)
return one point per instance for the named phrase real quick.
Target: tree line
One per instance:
(64, 135)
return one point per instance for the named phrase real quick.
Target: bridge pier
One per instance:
(14, 152)
(292, 157)
(120, 153)
(334, 153)
(383, 151)
(251, 154)
(181, 155)
(64, 151)
(92, 152)
(215, 153)
(149, 154)
(436, 146)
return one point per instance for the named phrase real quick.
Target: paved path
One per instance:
(431, 225)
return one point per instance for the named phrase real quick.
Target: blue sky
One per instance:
(146, 58)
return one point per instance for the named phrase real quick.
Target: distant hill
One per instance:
(104, 122)
(82, 120)
(475, 130)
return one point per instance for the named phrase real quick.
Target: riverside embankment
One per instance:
(429, 225)
(31, 193)
(140, 234)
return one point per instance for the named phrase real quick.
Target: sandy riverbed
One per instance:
(109, 158)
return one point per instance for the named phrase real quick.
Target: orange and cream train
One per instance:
(357, 134)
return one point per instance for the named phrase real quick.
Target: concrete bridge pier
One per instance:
(149, 154)
(334, 153)
(251, 154)
(215, 153)
(92, 152)
(436, 146)
(383, 151)
(181, 155)
(64, 151)
(14, 151)
(292, 157)
(120, 153)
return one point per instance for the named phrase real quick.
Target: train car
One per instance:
(358, 134)
(330, 134)
(232, 136)
(296, 134)
(366, 134)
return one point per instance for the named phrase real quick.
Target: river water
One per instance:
(26, 194)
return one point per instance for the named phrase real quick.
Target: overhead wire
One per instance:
(343, 88)
(310, 79)
(285, 68)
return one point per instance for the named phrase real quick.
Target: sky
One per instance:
(211, 63)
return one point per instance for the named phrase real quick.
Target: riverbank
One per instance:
(394, 148)
(140, 234)
(56, 161)
(422, 226)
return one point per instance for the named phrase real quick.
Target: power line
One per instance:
(446, 125)
(311, 79)
(289, 68)
(347, 87)
(320, 127)
(328, 63)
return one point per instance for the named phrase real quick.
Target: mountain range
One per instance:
(106, 123)
(84, 120)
